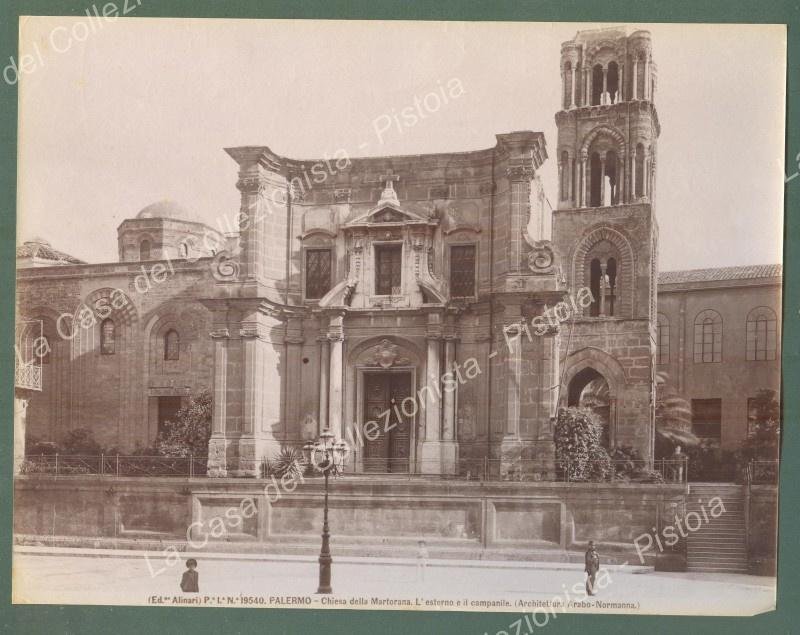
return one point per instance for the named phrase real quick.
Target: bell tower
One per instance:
(607, 124)
(605, 227)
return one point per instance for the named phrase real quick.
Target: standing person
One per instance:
(189, 579)
(592, 566)
(422, 560)
(678, 460)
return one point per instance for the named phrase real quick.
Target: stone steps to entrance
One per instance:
(718, 545)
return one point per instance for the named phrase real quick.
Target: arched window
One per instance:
(762, 337)
(639, 167)
(144, 250)
(610, 285)
(612, 83)
(594, 287)
(564, 166)
(707, 337)
(597, 84)
(42, 349)
(172, 345)
(602, 264)
(603, 181)
(662, 342)
(610, 186)
(107, 337)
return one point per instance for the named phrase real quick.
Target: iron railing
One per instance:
(762, 472)
(113, 465)
(481, 469)
(526, 470)
(28, 375)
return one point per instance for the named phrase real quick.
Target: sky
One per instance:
(117, 115)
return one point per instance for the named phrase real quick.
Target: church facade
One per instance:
(430, 310)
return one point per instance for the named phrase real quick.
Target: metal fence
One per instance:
(527, 470)
(113, 465)
(763, 472)
(521, 470)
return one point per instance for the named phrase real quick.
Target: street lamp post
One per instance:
(327, 456)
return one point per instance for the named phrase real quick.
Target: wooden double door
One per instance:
(387, 448)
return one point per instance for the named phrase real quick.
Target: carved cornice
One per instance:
(520, 172)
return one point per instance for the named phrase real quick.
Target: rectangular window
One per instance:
(707, 418)
(462, 271)
(388, 269)
(318, 273)
(662, 356)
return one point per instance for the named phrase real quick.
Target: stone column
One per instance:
(336, 338)
(431, 451)
(20, 421)
(602, 288)
(324, 368)
(218, 443)
(621, 82)
(604, 98)
(512, 351)
(646, 88)
(449, 396)
(588, 86)
(549, 382)
(293, 386)
(602, 181)
(432, 402)
(572, 96)
(449, 390)
(583, 180)
(635, 79)
(653, 179)
(622, 196)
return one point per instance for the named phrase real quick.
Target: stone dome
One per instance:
(167, 209)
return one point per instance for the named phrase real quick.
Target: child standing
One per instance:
(422, 560)
(189, 579)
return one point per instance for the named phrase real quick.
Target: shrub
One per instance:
(80, 441)
(287, 463)
(191, 430)
(579, 453)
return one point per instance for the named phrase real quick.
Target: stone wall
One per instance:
(115, 396)
(548, 521)
(762, 534)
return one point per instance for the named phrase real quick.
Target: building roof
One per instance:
(40, 249)
(167, 209)
(719, 274)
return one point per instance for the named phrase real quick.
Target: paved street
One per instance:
(72, 576)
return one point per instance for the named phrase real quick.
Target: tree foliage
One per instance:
(673, 416)
(191, 430)
(763, 439)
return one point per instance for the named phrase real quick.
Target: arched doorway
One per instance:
(589, 389)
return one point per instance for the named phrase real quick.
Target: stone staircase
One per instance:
(719, 545)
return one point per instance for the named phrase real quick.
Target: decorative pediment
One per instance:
(388, 211)
(389, 215)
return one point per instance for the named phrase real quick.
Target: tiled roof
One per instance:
(42, 250)
(747, 272)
